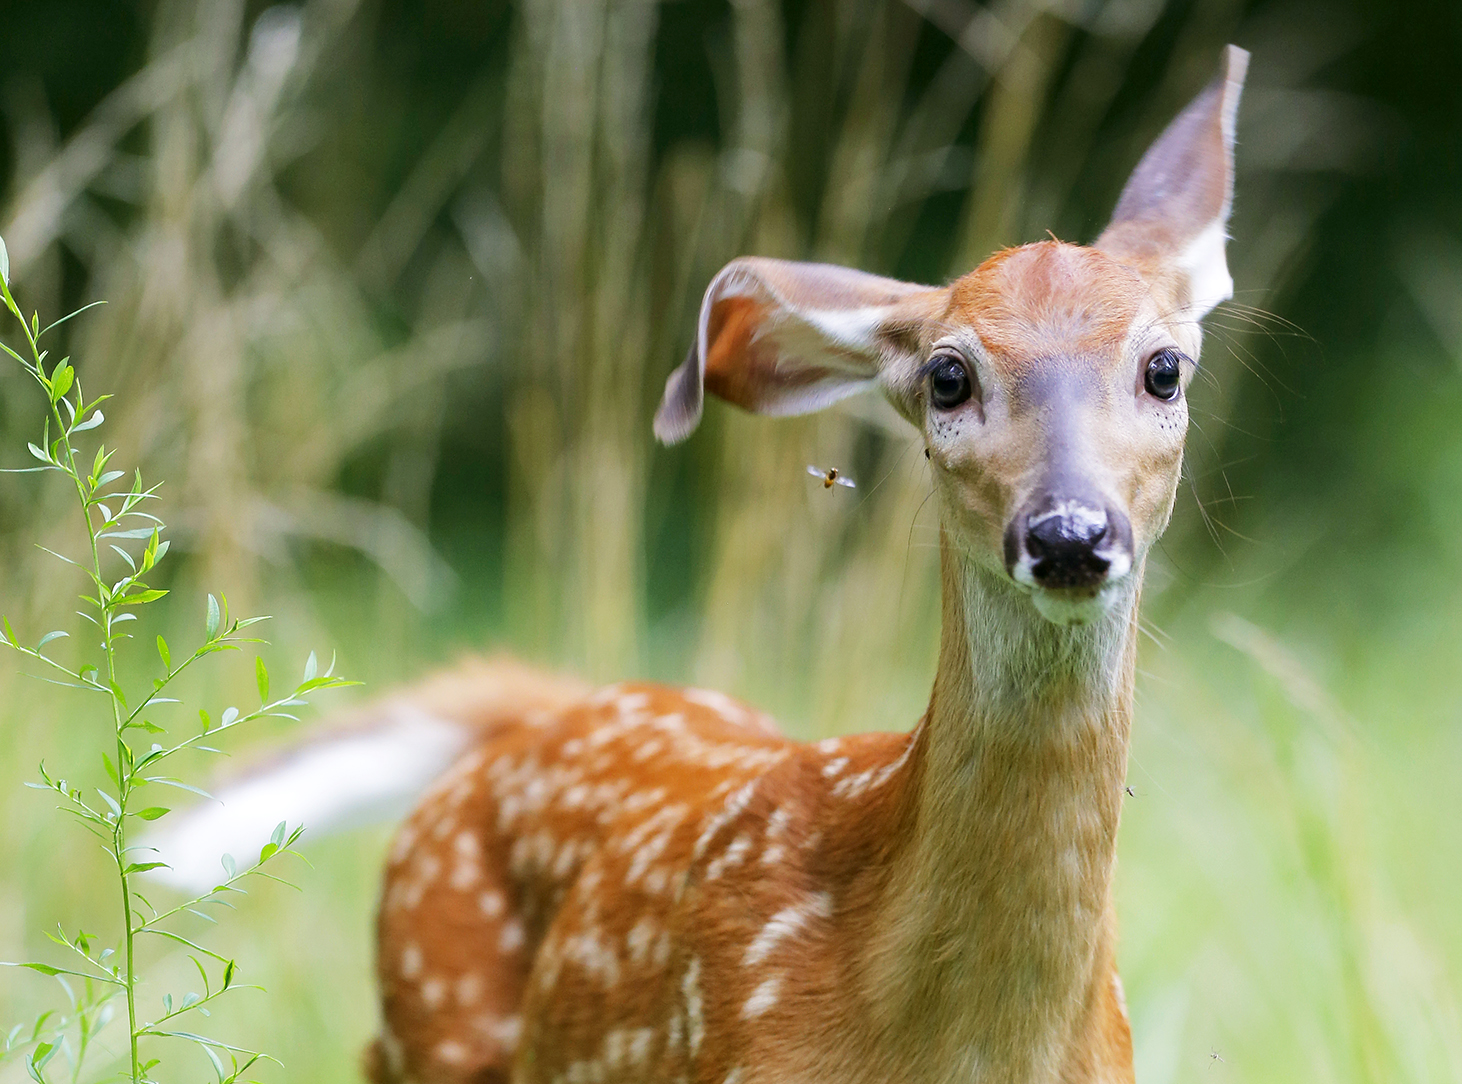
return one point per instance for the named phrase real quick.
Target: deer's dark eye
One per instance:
(1164, 374)
(949, 383)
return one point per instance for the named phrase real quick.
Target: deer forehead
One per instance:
(1048, 301)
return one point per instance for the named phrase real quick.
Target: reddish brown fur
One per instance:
(641, 842)
(1047, 300)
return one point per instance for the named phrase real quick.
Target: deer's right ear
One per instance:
(777, 337)
(1171, 220)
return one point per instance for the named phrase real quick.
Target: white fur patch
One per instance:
(1205, 263)
(762, 998)
(785, 923)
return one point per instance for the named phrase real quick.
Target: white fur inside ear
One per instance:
(852, 328)
(1205, 264)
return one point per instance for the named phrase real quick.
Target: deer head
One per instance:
(1049, 383)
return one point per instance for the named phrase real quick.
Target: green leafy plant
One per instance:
(124, 544)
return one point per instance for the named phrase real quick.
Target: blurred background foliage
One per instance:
(393, 286)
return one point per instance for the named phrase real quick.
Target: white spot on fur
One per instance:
(451, 1052)
(734, 807)
(633, 704)
(491, 904)
(762, 998)
(640, 939)
(433, 993)
(734, 855)
(411, 961)
(834, 767)
(511, 938)
(873, 778)
(444, 827)
(719, 703)
(690, 993)
(785, 923)
(503, 1030)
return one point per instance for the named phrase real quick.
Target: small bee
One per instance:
(830, 477)
(1130, 792)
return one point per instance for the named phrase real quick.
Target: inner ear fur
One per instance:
(1171, 220)
(779, 337)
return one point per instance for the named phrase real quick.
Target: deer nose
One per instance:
(1067, 545)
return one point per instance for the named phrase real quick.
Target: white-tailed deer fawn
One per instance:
(651, 884)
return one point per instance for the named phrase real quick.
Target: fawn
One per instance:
(651, 884)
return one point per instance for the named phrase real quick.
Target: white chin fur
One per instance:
(1062, 609)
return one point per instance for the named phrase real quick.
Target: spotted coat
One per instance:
(555, 908)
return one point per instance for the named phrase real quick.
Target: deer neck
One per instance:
(992, 919)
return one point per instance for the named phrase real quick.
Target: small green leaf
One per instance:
(143, 867)
(61, 381)
(152, 813)
(97, 417)
(312, 666)
(4, 263)
(266, 852)
(211, 627)
(162, 651)
(36, 1060)
(48, 637)
(141, 598)
(261, 676)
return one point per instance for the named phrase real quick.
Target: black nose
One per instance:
(1062, 544)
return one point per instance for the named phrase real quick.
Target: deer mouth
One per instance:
(1081, 605)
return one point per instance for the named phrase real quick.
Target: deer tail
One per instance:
(366, 765)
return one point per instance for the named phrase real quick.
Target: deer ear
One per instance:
(1172, 218)
(777, 337)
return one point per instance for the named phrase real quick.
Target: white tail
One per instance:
(369, 766)
(651, 884)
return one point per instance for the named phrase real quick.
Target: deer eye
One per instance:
(949, 383)
(1164, 373)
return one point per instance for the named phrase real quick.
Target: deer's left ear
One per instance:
(1171, 222)
(777, 337)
